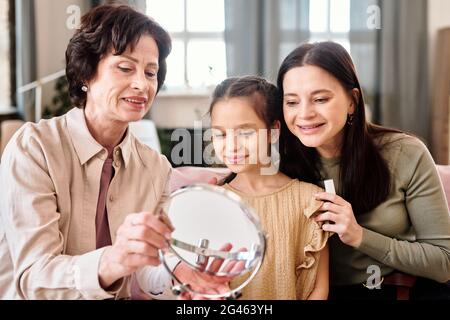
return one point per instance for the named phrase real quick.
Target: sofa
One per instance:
(444, 173)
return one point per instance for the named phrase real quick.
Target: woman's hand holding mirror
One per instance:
(205, 282)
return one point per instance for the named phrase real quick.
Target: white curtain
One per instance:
(25, 56)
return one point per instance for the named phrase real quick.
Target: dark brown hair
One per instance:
(105, 28)
(364, 174)
(264, 97)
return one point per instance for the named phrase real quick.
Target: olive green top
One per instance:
(409, 231)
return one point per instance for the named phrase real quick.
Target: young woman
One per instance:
(390, 212)
(243, 112)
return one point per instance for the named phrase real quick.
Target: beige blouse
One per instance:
(294, 241)
(50, 178)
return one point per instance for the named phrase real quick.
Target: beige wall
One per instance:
(180, 111)
(52, 37)
(5, 102)
(438, 17)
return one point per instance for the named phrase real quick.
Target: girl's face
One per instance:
(316, 107)
(241, 139)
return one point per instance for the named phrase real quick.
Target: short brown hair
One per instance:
(105, 28)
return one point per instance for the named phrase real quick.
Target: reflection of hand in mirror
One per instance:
(205, 283)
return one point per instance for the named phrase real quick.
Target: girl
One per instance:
(243, 112)
(390, 212)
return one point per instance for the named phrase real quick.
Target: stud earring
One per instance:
(350, 119)
(84, 88)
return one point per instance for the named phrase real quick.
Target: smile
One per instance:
(136, 102)
(235, 159)
(310, 128)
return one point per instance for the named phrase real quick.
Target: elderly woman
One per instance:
(80, 192)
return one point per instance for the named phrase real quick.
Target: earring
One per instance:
(84, 88)
(350, 119)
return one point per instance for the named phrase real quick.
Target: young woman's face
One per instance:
(316, 107)
(240, 137)
(124, 86)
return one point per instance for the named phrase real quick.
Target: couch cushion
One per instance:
(9, 127)
(185, 176)
(444, 173)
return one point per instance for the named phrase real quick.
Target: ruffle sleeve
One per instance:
(314, 241)
(317, 239)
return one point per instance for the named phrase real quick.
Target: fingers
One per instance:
(327, 216)
(143, 233)
(185, 296)
(323, 196)
(330, 206)
(213, 181)
(152, 221)
(238, 267)
(141, 248)
(336, 228)
(234, 268)
(228, 268)
(217, 263)
(165, 219)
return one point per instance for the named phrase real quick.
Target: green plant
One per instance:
(60, 102)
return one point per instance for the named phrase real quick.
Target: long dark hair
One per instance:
(264, 97)
(364, 176)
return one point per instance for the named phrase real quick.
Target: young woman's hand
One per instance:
(205, 283)
(338, 217)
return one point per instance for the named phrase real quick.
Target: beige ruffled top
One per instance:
(294, 242)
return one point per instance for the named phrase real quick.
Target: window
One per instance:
(342, 21)
(313, 21)
(5, 85)
(198, 57)
(330, 20)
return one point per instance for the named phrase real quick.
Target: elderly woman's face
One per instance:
(124, 86)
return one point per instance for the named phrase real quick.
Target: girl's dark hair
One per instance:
(105, 28)
(264, 96)
(364, 175)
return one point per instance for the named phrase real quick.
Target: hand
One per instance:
(137, 243)
(340, 212)
(205, 283)
(213, 181)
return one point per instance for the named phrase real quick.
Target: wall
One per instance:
(181, 111)
(5, 102)
(52, 37)
(438, 17)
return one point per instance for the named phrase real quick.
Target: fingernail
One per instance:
(168, 236)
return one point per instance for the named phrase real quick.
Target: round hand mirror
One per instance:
(205, 218)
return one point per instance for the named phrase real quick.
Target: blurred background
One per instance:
(401, 49)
